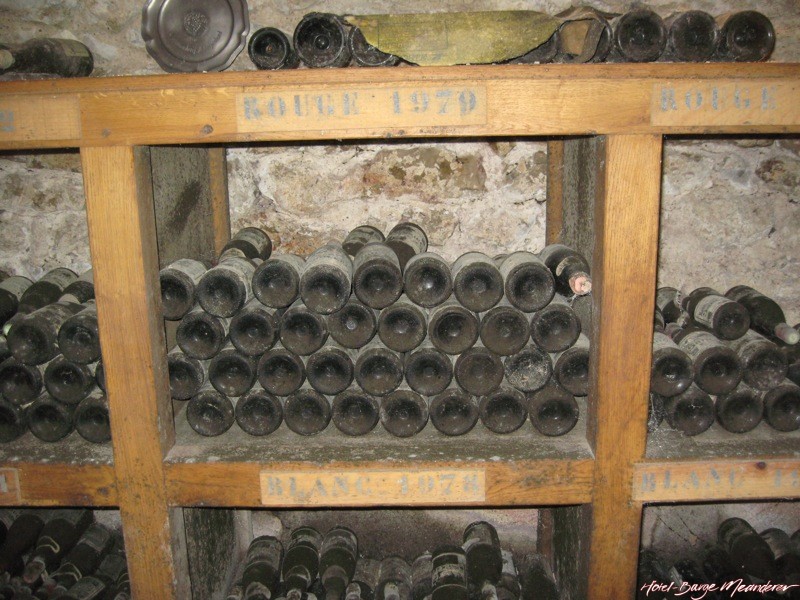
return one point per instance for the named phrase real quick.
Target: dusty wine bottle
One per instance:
(33, 340)
(787, 557)
(428, 371)
(224, 289)
(68, 382)
(504, 329)
(281, 372)
(100, 375)
(764, 365)
(254, 329)
(307, 412)
(79, 336)
(22, 535)
(365, 580)
(421, 572)
(13, 421)
(690, 412)
(528, 282)
(745, 36)
(530, 369)
(20, 383)
(394, 579)
(717, 369)
(378, 369)
(355, 412)
(302, 331)
(478, 370)
(477, 282)
(353, 325)
(320, 40)
(454, 411)
(484, 556)
(427, 280)
(258, 412)
(91, 418)
(56, 56)
(766, 316)
(337, 561)
(659, 324)
(727, 319)
(692, 36)
(231, 372)
(301, 561)
(276, 281)
(186, 374)
(508, 588)
(740, 410)
(782, 406)
(402, 325)
(553, 410)
(251, 242)
(58, 536)
(209, 412)
(556, 327)
(270, 49)
(365, 54)
(11, 291)
(407, 240)
(46, 290)
(84, 557)
(262, 569)
(667, 302)
(377, 278)
(747, 549)
(504, 410)
(360, 237)
(671, 371)
(202, 335)
(330, 369)
(449, 574)
(327, 279)
(569, 269)
(640, 35)
(50, 420)
(179, 281)
(404, 413)
(452, 328)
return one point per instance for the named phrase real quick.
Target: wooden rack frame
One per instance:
(604, 194)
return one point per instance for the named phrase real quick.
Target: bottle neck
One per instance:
(6, 59)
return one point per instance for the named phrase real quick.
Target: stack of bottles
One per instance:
(742, 563)
(50, 359)
(316, 567)
(724, 358)
(61, 554)
(378, 329)
(639, 35)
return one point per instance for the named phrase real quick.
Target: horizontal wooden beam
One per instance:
(57, 484)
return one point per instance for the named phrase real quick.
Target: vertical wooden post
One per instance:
(218, 179)
(624, 276)
(555, 192)
(119, 206)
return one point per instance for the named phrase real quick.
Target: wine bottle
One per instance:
(231, 372)
(100, 375)
(454, 411)
(87, 588)
(691, 412)
(254, 329)
(82, 289)
(330, 369)
(79, 336)
(766, 316)
(553, 410)
(302, 331)
(353, 325)
(671, 371)
(5, 353)
(360, 237)
(556, 327)
(307, 412)
(477, 282)
(378, 369)
(262, 569)
(508, 588)
(178, 281)
(33, 340)
(365, 54)
(402, 325)
(782, 406)
(428, 371)
(504, 410)
(209, 412)
(478, 370)
(421, 573)
(91, 419)
(394, 579)
(337, 561)
(65, 57)
(745, 36)
(50, 420)
(21, 537)
(11, 291)
(276, 281)
(544, 53)
(19, 383)
(764, 365)
(58, 536)
(727, 319)
(258, 412)
(569, 269)
(407, 240)
(251, 242)
(281, 372)
(270, 49)
(655, 412)
(427, 280)
(535, 574)
(46, 290)
(449, 574)
(301, 561)
(186, 374)
(659, 324)
(640, 35)
(377, 277)
(84, 557)
(224, 289)
(740, 410)
(452, 328)
(327, 279)
(355, 412)
(530, 369)
(717, 369)
(201, 335)
(68, 382)
(787, 557)
(504, 329)
(365, 580)
(747, 549)
(668, 303)
(320, 40)
(484, 556)
(528, 282)
(404, 413)
(13, 421)
(692, 36)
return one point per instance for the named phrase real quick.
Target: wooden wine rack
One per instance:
(606, 124)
